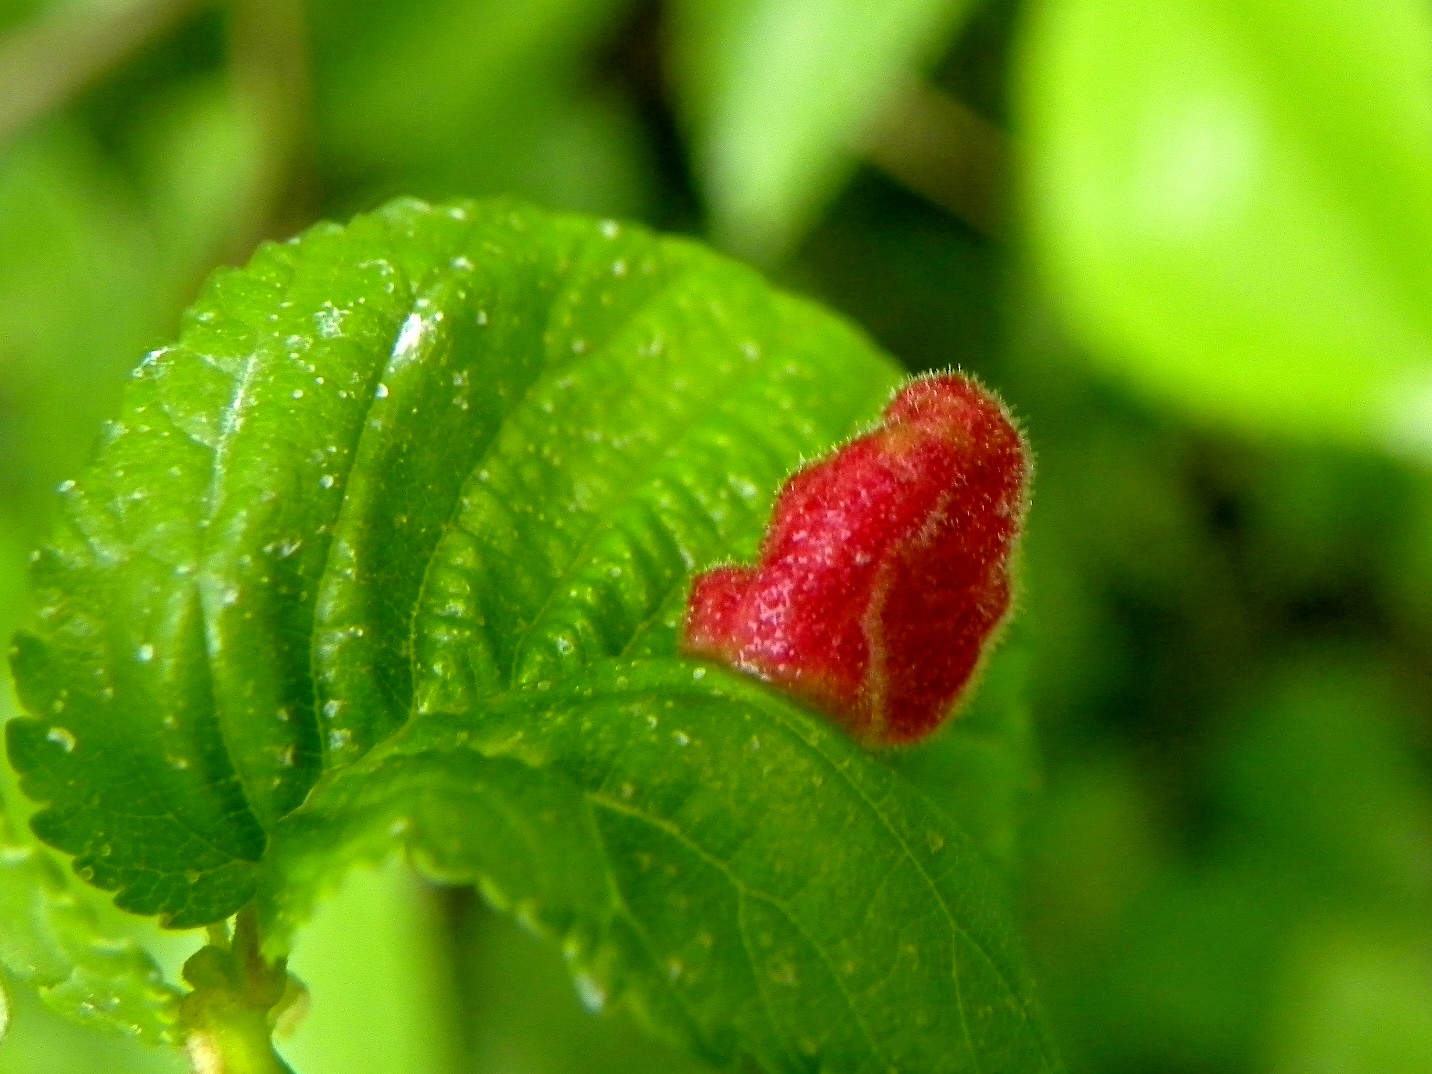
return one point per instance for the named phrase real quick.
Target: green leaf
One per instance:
(741, 873)
(781, 92)
(982, 767)
(431, 452)
(1234, 204)
(401, 529)
(50, 938)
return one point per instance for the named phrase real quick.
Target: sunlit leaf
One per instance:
(1234, 204)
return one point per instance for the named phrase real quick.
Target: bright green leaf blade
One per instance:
(982, 767)
(743, 875)
(430, 452)
(462, 463)
(51, 940)
(781, 91)
(1234, 203)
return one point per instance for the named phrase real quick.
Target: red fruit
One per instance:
(886, 567)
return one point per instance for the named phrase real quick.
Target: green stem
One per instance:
(938, 147)
(228, 1017)
(238, 1045)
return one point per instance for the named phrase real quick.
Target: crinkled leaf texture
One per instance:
(393, 546)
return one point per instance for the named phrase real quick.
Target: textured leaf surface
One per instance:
(402, 529)
(427, 453)
(983, 767)
(744, 875)
(1221, 234)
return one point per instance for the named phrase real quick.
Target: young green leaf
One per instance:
(395, 543)
(739, 872)
(50, 939)
(431, 453)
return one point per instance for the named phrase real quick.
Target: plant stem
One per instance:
(461, 914)
(938, 147)
(227, 1020)
(238, 1046)
(269, 65)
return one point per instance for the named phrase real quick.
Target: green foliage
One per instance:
(781, 95)
(449, 470)
(1226, 602)
(742, 874)
(1233, 205)
(50, 938)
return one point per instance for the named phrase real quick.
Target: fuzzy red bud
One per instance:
(885, 571)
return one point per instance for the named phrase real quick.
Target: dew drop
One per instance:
(144, 653)
(410, 336)
(340, 739)
(63, 737)
(382, 391)
(682, 738)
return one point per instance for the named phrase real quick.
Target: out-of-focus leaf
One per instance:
(1359, 1002)
(449, 98)
(1320, 776)
(398, 969)
(780, 91)
(1234, 205)
(50, 940)
(201, 154)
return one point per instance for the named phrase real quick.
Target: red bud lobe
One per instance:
(885, 570)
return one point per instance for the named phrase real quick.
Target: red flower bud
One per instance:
(885, 571)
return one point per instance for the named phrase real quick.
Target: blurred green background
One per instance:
(1190, 241)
